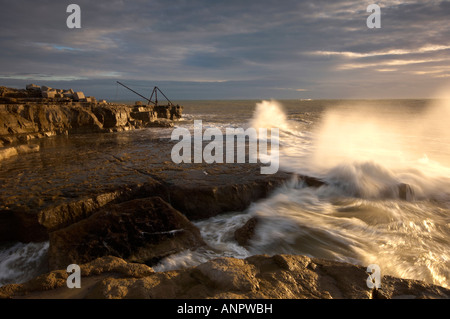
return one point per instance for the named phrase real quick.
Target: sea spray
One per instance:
(20, 262)
(363, 153)
(268, 114)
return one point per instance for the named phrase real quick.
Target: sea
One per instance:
(362, 149)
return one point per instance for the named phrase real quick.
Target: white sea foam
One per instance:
(364, 154)
(20, 262)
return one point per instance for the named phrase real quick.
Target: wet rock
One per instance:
(160, 123)
(63, 215)
(244, 234)
(141, 230)
(406, 192)
(199, 199)
(256, 277)
(28, 225)
(8, 152)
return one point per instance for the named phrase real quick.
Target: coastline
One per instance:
(92, 225)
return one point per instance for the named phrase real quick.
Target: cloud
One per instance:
(425, 49)
(232, 48)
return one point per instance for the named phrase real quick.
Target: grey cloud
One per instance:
(220, 48)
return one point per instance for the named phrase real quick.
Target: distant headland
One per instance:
(42, 111)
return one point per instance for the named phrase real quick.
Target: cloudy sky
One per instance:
(213, 49)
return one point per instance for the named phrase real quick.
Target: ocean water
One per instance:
(363, 149)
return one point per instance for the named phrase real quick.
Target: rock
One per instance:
(38, 110)
(39, 118)
(78, 96)
(63, 215)
(229, 274)
(199, 199)
(112, 116)
(145, 116)
(256, 277)
(171, 112)
(8, 152)
(176, 112)
(141, 230)
(244, 234)
(196, 199)
(56, 281)
(45, 88)
(49, 94)
(33, 87)
(405, 192)
(27, 225)
(160, 123)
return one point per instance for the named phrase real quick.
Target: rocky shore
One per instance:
(135, 207)
(38, 112)
(256, 277)
(117, 243)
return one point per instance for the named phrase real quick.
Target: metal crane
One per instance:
(154, 93)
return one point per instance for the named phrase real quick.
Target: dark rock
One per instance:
(405, 192)
(176, 112)
(160, 123)
(141, 230)
(199, 201)
(27, 225)
(145, 116)
(312, 181)
(61, 216)
(244, 234)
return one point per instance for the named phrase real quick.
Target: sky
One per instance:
(212, 49)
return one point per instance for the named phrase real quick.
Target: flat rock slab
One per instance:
(72, 177)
